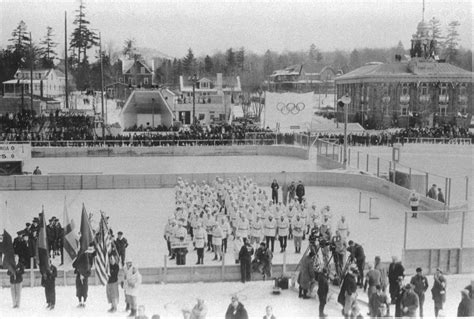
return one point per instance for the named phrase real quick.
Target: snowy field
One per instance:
(142, 213)
(169, 300)
(168, 164)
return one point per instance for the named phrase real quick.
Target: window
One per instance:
(221, 117)
(201, 117)
(211, 115)
(443, 90)
(443, 110)
(424, 89)
(142, 70)
(404, 110)
(405, 90)
(463, 90)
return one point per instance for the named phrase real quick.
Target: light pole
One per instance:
(345, 101)
(194, 79)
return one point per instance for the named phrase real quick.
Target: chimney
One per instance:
(219, 81)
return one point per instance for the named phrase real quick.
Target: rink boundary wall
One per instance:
(449, 260)
(136, 151)
(355, 180)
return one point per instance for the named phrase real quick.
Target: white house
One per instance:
(49, 83)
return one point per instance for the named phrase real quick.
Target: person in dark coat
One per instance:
(112, 285)
(409, 303)
(395, 271)
(275, 187)
(16, 279)
(121, 244)
(323, 289)
(438, 291)
(23, 250)
(284, 193)
(291, 191)
(378, 303)
(245, 258)
(420, 285)
(440, 195)
(465, 306)
(236, 310)
(306, 274)
(48, 281)
(82, 268)
(300, 191)
(357, 254)
(348, 293)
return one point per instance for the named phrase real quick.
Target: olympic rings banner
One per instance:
(284, 110)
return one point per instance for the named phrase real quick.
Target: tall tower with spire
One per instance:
(423, 46)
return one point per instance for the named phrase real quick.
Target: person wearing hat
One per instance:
(291, 191)
(378, 303)
(410, 302)
(397, 301)
(440, 195)
(112, 284)
(170, 228)
(236, 309)
(121, 245)
(348, 294)
(48, 281)
(16, 279)
(269, 230)
(432, 192)
(199, 243)
(263, 260)
(357, 254)
(245, 258)
(37, 171)
(300, 191)
(372, 279)
(414, 201)
(420, 285)
(298, 231)
(275, 187)
(282, 232)
(323, 289)
(438, 291)
(465, 307)
(395, 271)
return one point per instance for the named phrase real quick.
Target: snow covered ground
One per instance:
(168, 300)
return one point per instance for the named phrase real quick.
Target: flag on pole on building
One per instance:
(103, 249)
(6, 244)
(71, 239)
(43, 250)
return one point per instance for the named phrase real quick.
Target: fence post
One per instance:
(348, 156)
(394, 172)
(367, 164)
(358, 156)
(165, 271)
(405, 237)
(462, 243)
(446, 190)
(409, 174)
(378, 166)
(426, 183)
(223, 267)
(326, 149)
(32, 273)
(333, 151)
(284, 263)
(449, 195)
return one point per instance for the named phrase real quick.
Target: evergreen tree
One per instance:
(452, 41)
(437, 34)
(82, 38)
(240, 58)
(130, 50)
(268, 66)
(354, 60)
(230, 61)
(208, 65)
(189, 63)
(20, 39)
(48, 45)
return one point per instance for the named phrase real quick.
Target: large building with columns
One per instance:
(420, 91)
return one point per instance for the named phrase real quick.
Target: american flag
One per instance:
(103, 248)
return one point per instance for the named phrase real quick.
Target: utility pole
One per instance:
(65, 59)
(102, 86)
(31, 74)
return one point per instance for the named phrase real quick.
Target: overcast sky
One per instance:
(206, 26)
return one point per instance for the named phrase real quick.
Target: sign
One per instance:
(15, 152)
(181, 243)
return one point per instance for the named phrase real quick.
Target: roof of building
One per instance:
(227, 81)
(411, 70)
(290, 70)
(127, 64)
(44, 72)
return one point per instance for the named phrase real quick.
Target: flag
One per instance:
(103, 249)
(6, 248)
(43, 249)
(70, 240)
(86, 232)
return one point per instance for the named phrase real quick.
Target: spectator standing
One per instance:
(300, 191)
(383, 272)
(395, 271)
(378, 304)
(269, 229)
(236, 310)
(414, 201)
(112, 285)
(275, 187)
(306, 274)
(440, 195)
(245, 258)
(291, 192)
(284, 193)
(432, 192)
(372, 279)
(409, 303)
(121, 244)
(465, 306)
(298, 232)
(338, 247)
(37, 171)
(348, 293)
(282, 231)
(343, 228)
(438, 291)
(323, 289)
(263, 258)
(199, 243)
(16, 279)
(199, 311)
(420, 285)
(357, 253)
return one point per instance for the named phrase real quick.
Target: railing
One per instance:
(430, 140)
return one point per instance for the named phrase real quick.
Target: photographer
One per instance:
(338, 249)
(357, 254)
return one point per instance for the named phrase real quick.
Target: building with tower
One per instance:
(420, 91)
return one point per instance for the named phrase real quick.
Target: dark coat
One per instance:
(121, 245)
(17, 277)
(411, 301)
(465, 307)
(300, 190)
(438, 290)
(395, 270)
(245, 254)
(240, 312)
(306, 275)
(350, 285)
(48, 279)
(323, 287)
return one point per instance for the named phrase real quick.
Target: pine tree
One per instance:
(240, 58)
(20, 40)
(208, 65)
(437, 33)
(452, 41)
(268, 66)
(230, 61)
(189, 63)
(82, 38)
(48, 45)
(354, 59)
(130, 50)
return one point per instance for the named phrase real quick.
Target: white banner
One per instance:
(284, 110)
(15, 152)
